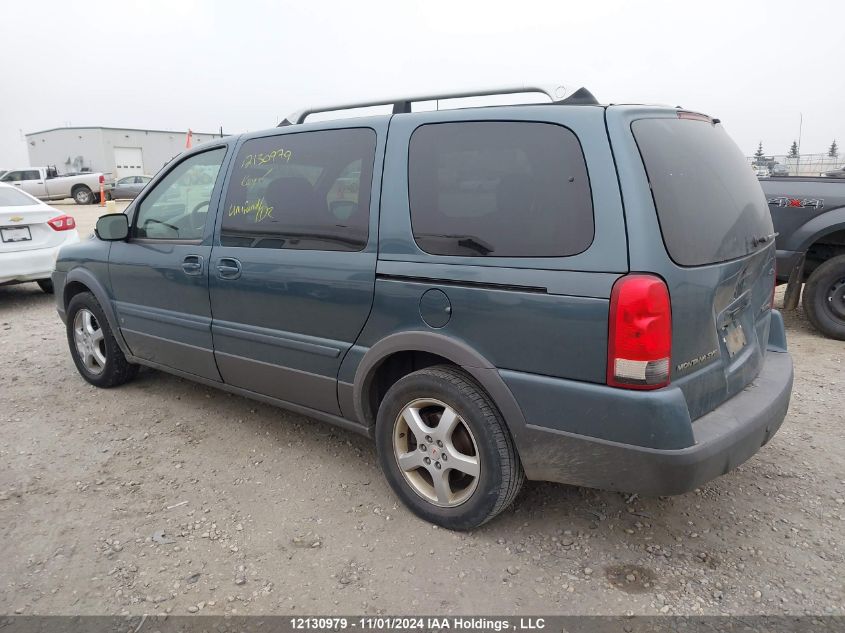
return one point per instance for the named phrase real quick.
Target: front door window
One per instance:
(177, 207)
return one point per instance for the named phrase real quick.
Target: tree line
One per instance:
(832, 151)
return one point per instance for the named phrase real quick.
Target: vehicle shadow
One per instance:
(548, 508)
(23, 296)
(794, 320)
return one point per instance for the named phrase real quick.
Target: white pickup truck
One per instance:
(45, 183)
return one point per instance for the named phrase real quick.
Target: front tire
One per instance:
(83, 195)
(93, 347)
(445, 449)
(824, 298)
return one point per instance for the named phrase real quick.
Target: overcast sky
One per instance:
(244, 65)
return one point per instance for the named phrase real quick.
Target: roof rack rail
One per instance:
(565, 95)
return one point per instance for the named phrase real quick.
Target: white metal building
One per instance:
(119, 151)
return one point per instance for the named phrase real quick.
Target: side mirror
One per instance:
(112, 227)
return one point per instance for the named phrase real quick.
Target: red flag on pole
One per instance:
(188, 139)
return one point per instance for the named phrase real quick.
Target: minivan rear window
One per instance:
(499, 189)
(709, 203)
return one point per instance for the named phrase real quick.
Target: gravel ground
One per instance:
(165, 496)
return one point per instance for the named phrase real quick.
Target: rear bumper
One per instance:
(21, 266)
(723, 439)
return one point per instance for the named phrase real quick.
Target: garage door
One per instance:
(128, 161)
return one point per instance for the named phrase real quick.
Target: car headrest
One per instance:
(293, 199)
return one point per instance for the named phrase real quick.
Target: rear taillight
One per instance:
(102, 179)
(639, 344)
(62, 223)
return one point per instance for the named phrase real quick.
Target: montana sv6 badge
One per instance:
(697, 361)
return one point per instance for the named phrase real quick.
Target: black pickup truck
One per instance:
(809, 220)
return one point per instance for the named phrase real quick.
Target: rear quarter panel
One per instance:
(698, 293)
(534, 315)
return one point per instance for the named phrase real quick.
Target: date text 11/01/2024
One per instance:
(417, 623)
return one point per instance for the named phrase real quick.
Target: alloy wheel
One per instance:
(89, 339)
(436, 452)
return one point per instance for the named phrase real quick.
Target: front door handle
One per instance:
(192, 265)
(228, 268)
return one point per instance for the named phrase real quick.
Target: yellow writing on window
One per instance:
(249, 181)
(258, 159)
(258, 209)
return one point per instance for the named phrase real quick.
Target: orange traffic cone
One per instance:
(188, 139)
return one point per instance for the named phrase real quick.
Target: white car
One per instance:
(31, 234)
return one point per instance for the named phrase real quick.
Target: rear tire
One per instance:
(83, 195)
(477, 441)
(93, 347)
(824, 298)
(46, 285)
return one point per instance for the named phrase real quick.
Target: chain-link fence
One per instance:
(804, 165)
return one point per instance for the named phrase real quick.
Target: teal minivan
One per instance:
(566, 291)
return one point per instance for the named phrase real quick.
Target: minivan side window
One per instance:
(177, 206)
(499, 189)
(305, 191)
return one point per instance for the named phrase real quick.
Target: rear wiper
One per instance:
(475, 245)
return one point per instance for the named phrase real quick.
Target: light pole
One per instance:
(798, 158)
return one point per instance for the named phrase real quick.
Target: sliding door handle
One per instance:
(228, 268)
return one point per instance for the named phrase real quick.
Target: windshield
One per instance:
(710, 206)
(15, 198)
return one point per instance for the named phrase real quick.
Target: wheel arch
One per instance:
(826, 246)
(816, 230)
(78, 186)
(434, 349)
(81, 280)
